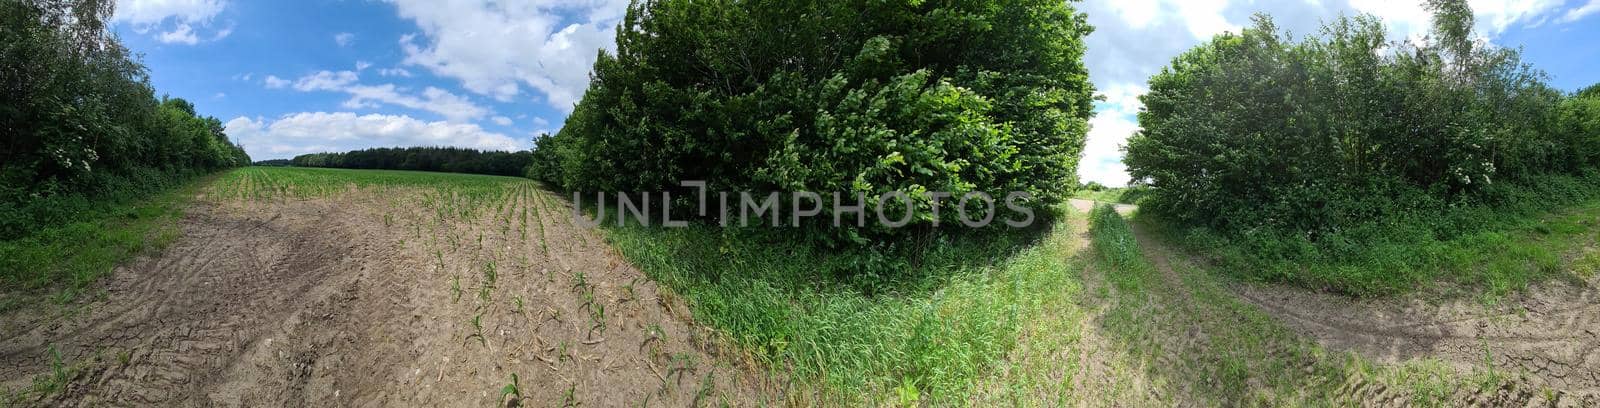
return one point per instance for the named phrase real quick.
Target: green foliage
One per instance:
(833, 96)
(76, 250)
(85, 138)
(440, 159)
(1350, 162)
(1511, 236)
(1578, 122)
(1122, 195)
(274, 163)
(1252, 130)
(939, 328)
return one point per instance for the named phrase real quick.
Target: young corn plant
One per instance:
(490, 275)
(477, 330)
(514, 389)
(597, 315)
(455, 288)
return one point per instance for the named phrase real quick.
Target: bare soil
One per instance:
(337, 302)
(1546, 337)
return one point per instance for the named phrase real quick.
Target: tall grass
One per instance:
(1496, 244)
(929, 334)
(1185, 329)
(66, 242)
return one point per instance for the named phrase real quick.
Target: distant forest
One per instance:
(274, 163)
(441, 159)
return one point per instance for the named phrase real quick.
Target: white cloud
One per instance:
(442, 102)
(147, 12)
(344, 39)
(1108, 132)
(434, 100)
(1578, 13)
(502, 120)
(174, 21)
(363, 65)
(499, 48)
(180, 35)
(325, 81)
(1410, 19)
(273, 82)
(395, 72)
(223, 33)
(311, 132)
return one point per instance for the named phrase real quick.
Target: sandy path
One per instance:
(1547, 336)
(357, 300)
(1544, 340)
(1086, 206)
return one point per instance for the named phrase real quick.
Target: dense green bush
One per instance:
(1353, 163)
(80, 121)
(834, 96)
(1252, 130)
(441, 159)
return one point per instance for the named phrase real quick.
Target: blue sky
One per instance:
(301, 76)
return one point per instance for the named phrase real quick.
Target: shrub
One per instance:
(1253, 131)
(834, 96)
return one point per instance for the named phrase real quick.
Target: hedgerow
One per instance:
(1299, 151)
(834, 96)
(80, 121)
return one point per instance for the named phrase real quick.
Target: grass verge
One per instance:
(1193, 339)
(62, 260)
(928, 335)
(1118, 195)
(1516, 235)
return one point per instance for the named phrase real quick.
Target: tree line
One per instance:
(80, 121)
(850, 97)
(440, 159)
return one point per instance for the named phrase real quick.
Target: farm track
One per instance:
(377, 296)
(1544, 341)
(1546, 337)
(1165, 343)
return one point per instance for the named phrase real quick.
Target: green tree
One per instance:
(834, 96)
(1256, 130)
(80, 119)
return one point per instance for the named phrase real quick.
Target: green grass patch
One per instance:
(66, 256)
(1513, 236)
(1188, 331)
(928, 334)
(1118, 195)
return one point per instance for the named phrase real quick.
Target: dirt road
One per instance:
(1534, 349)
(1547, 337)
(1085, 206)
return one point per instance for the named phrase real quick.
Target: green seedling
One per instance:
(513, 389)
(455, 288)
(477, 328)
(597, 314)
(579, 280)
(490, 275)
(571, 397)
